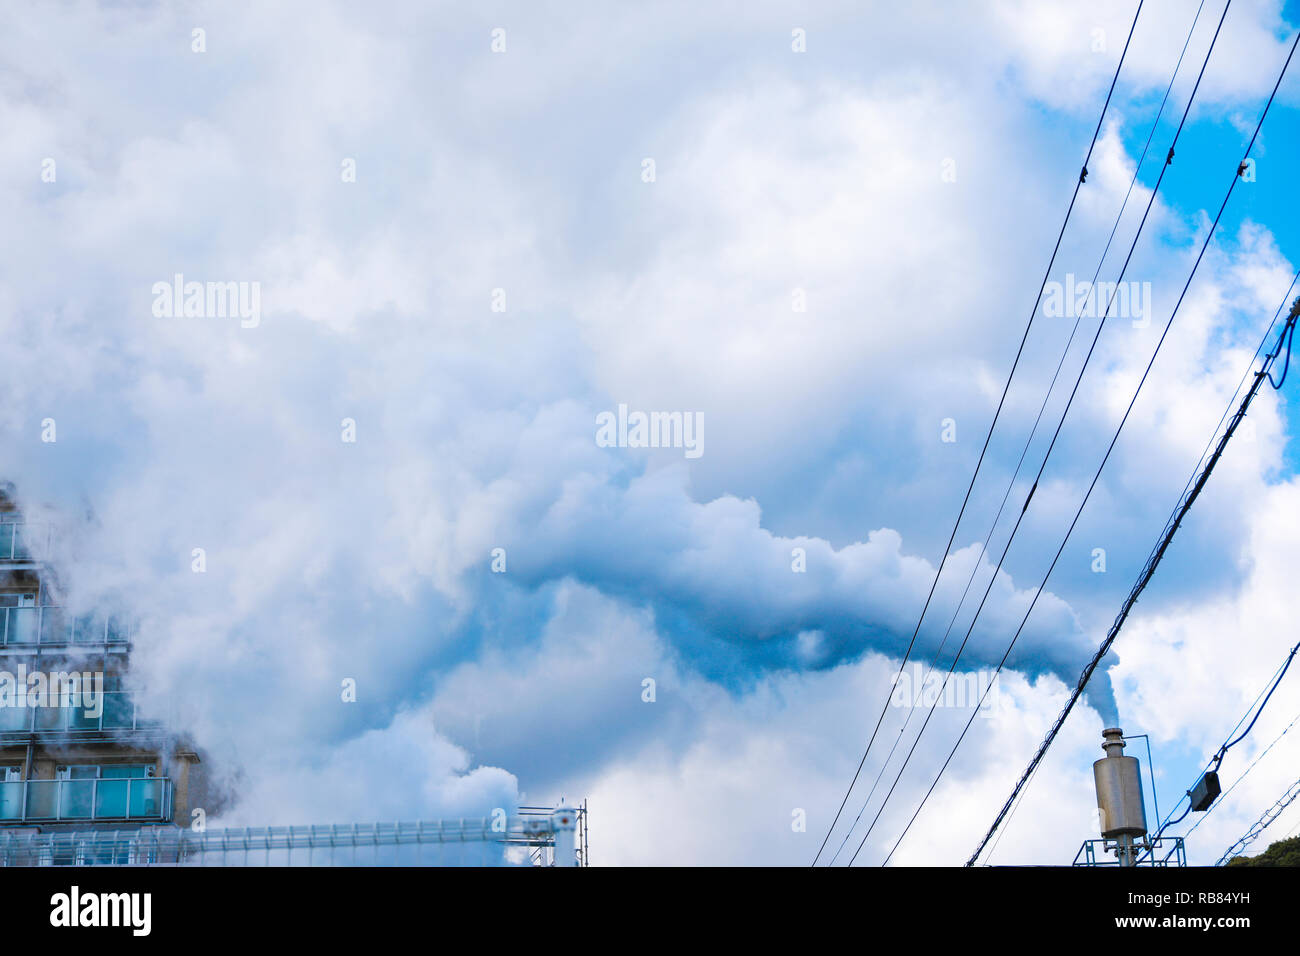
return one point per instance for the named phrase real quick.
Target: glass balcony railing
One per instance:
(112, 711)
(56, 625)
(134, 798)
(22, 541)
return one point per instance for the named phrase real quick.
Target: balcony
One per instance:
(23, 543)
(56, 626)
(117, 712)
(142, 799)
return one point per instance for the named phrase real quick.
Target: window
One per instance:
(19, 618)
(11, 793)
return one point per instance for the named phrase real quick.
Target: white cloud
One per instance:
(329, 560)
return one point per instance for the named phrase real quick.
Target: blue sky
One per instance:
(777, 174)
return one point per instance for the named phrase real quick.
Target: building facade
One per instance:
(75, 754)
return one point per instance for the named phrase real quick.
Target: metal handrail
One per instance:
(51, 624)
(96, 798)
(1174, 853)
(340, 844)
(117, 712)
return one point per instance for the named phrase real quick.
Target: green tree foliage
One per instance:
(1281, 853)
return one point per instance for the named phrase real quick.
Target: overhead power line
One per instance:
(1015, 801)
(975, 566)
(1262, 700)
(1241, 167)
(1262, 824)
(1263, 753)
(1047, 457)
(1144, 578)
(1083, 175)
(1218, 757)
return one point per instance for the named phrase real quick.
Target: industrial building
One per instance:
(74, 752)
(86, 779)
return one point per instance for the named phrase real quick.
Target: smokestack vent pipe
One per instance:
(1119, 789)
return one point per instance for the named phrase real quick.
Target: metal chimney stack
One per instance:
(1119, 797)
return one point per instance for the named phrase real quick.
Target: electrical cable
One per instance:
(1262, 824)
(1258, 707)
(1218, 758)
(1191, 490)
(1029, 441)
(1244, 773)
(1286, 366)
(1060, 424)
(1083, 175)
(1038, 592)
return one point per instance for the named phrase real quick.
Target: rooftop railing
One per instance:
(55, 626)
(112, 798)
(473, 842)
